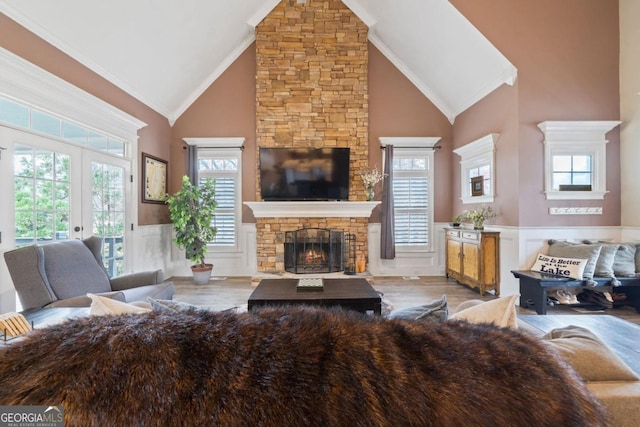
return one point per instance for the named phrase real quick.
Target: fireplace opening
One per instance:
(315, 250)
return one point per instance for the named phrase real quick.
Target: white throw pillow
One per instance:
(501, 312)
(568, 267)
(103, 305)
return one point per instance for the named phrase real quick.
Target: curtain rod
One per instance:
(435, 147)
(241, 148)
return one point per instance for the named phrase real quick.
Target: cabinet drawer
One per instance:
(453, 233)
(470, 235)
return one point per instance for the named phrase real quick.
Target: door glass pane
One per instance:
(23, 161)
(44, 226)
(41, 197)
(73, 132)
(98, 141)
(44, 195)
(116, 147)
(108, 214)
(14, 113)
(45, 123)
(44, 165)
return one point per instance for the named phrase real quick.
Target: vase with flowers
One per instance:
(370, 179)
(479, 216)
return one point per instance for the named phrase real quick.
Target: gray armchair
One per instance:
(61, 274)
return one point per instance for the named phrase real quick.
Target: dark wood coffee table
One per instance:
(355, 294)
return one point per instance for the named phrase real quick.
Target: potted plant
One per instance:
(191, 210)
(370, 179)
(479, 216)
(456, 220)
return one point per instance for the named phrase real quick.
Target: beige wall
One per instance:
(153, 139)
(398, 109)
(496, 113)
(566, 54)
(226, 109)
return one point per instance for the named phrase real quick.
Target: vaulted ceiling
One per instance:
(166, 53)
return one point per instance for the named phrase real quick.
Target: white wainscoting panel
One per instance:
(630, 234)
(152, 247)
(407, 263)
(242, 262)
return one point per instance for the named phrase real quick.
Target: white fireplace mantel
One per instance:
(312, 209)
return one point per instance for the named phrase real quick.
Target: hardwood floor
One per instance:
(399, 292)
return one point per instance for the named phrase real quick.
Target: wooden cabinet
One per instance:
(473, 258)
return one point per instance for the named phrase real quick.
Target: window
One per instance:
(477, 170)
(572, 173)
(221, 159)
(575, 159)
(23, 116)
(411, 198)
(41, 195)
(412, 192)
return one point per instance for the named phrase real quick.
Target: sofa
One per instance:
(606, 375)
(61, 274)
(290, 366)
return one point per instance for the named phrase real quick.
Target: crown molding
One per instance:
(508, 77)
(479, 146)
(27, 83)
(202, 87)
(418, 83)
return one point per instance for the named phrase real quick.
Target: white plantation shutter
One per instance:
(225, 218)
(223, 165)
(411, 202)
(412, 197)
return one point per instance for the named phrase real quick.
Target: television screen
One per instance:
(304, 173)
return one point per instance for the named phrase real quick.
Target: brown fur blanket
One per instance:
(291, 367)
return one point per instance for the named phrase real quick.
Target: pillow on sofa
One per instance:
(171, 305)
(569, 267)
(102, 305)
(435, 310)
(501, 312)
(606, 258)
(624, 264)
(592, 359)
(576, 250)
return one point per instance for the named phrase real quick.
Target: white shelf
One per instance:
(312, 209)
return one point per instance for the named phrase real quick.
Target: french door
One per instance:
(53, 190)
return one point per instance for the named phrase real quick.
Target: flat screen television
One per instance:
(304, 174)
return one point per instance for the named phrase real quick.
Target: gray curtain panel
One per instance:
(192, 163)
(387, 236)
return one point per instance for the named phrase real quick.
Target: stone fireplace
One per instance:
(312, 91)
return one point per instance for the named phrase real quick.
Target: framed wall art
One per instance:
(154, 179)
(477, 186)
